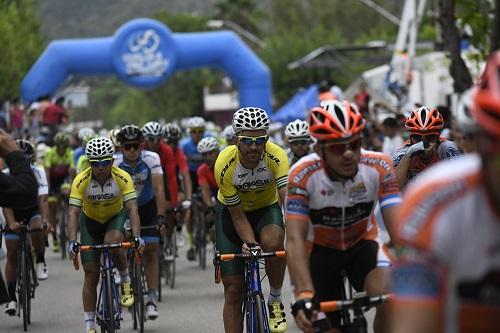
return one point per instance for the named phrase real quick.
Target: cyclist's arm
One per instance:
(402, 166)
(133, 214)
(73, 216)
(389, 195)
(188, 184)
(157, 180)
(43, 202)
(282, 196)
(9, 216)
(206, 195)
(241, 224)
(47, 173)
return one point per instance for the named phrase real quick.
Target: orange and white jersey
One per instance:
(451, 232)
(341, 214)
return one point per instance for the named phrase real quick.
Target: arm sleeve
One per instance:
(126, 185)
(398, 156)
(297, 197)
(182, 161)
(43, 187)
(223, 175)
(202, 178)
(20, 189)
(279, 167)
(152, 159)
(77, 191)
(389, 194)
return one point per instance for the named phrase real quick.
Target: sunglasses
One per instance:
(429, 138)
(197, 130)
(250, 140)
(153, 138)
(129, 146)
(303, 142)
(341, 148)
(101, 163)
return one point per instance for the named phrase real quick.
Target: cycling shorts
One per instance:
(11, 235)
(147, 214)
(93, 232)
(326, 264)
(227, 239)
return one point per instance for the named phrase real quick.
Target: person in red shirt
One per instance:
(208, 148)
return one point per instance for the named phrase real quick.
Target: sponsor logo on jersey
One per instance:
(273, 158)
(83, 179)
(297, 206)
(302, 173)
(297, 190)
(262, 169)
(121, 177)
(376, 161)
(224, 170)
(358, 192)
(242, 175)
(253, 184)
(101, 196)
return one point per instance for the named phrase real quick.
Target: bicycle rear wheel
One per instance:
(62, 218)
(202, 241)
(169, 264)
(23, 290)
(161, 263)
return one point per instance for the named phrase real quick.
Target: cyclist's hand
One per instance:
(48, 227)
(304, 310)
(186, 204)
(72, 248)
(246, 247)
(415, 149)
(139, 243)
(14, 226)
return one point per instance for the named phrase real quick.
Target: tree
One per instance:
(21, 43)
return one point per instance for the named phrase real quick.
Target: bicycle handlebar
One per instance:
(84, 248)
(366, 302)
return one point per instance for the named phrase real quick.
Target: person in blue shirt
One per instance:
(83, 133)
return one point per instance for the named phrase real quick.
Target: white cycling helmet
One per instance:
(228, 132)
(41, 149)
(85, 132)
(297, 129)
(207, 144)
(196, 122)
(113, 135)
(250, 119)
(152, 128)
(99, 148)
(466, 123)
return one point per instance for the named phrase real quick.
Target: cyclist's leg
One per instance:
(11, 243)
(227, 241)
(53, 206)
(91, 233)
(369, 270)
(38, 242)
(325, 265)
(147, 215)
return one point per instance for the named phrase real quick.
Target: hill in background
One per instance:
(96, 18)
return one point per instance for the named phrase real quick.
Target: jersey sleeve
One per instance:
(71, 159)
(278, 165)
(126, 185)
(153, 162)
(223, 175)
(398, 156)
(448, 150)
(41, 177)
(389, 193)
(169, 167)
(201, 173)
(78, 189)
(182, 161)
(297, 198)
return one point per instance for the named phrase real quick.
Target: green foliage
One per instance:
(21, 43)
(475, 13)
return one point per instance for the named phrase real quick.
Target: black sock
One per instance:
(40, 257)
(11, 289)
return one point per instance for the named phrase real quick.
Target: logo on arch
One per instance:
(144, 53)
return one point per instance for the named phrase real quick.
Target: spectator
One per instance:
(336, 90)
(392, 138)
(362, 99)
(16, 117)
(324, 92)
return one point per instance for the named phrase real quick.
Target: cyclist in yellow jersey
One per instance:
(97, 200)
(60, 170)
(252, 176)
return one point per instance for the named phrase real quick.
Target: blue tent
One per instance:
(298, 106)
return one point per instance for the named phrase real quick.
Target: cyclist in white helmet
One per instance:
(467, 125)
(112, 135)
(252, 179)
(99, 196)
(83, 133)
(299, 139)
(229, 135)
(196, 127)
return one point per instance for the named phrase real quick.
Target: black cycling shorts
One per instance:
(147, 214)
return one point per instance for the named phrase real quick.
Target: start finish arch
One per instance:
(144, 53)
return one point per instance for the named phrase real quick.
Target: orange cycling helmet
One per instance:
(424, 120)
(487, 99)
(335, 120)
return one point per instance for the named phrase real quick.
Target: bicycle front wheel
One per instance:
(24, 294)
(110, 303)
(258, 319)
(202, 250)
(138, 298)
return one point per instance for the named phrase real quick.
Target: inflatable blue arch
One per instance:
(144, 53)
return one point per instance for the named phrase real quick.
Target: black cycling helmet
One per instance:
(172, 132)
(130, 133)
(26, 147)
(61, 139)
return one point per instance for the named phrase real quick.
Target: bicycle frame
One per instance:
(254, 302)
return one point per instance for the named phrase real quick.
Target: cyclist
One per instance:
(84, 132)
(297, 135)
(83, 161)
(229, 135)
(196, 127)
(331, 225)
(173, 134)
(60, 170)
(153, 133)
(112, 135)
(467, 126)
(144, 167)
(252, 177)
(35, 219)
(425, 147)
(449, 225)
(96, 203)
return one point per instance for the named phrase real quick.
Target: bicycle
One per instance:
(25, 272)
(254, 307)
(108, 313)
(62, 218)
(200, 231)
(167, 257)
(136, 270)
